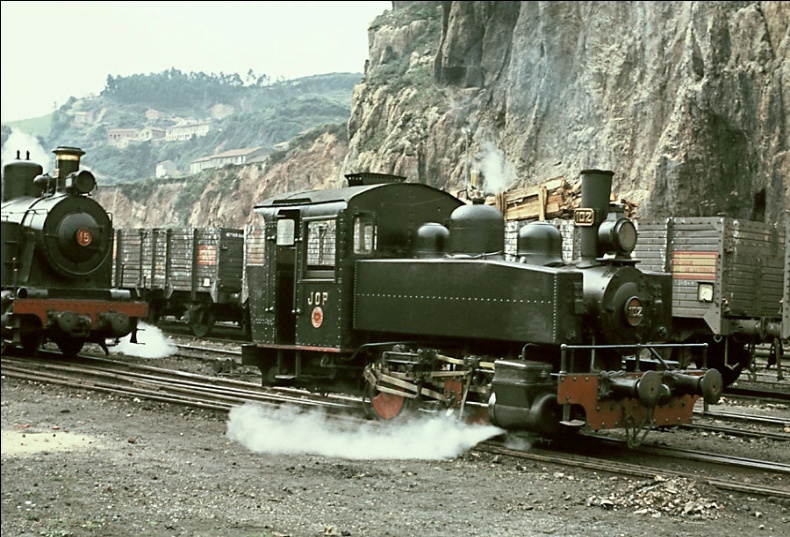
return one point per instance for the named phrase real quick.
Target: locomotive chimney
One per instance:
(67, 160)
(596, 192)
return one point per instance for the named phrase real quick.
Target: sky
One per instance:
(55, 50)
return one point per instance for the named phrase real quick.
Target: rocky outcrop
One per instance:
(687, 102)
(225, 197)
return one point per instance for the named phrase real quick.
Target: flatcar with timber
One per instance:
(192, 274)
(401, 293)
(57, 246)
(730, 283)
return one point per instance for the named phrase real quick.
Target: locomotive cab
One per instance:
(302, 318)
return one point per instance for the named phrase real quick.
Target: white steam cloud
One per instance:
(290, 430)
(151, 343)
(498, 172)
(23, 142)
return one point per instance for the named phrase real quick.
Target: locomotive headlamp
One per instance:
(617, 235)
(705, 291)
(634, 311)
(81, 182)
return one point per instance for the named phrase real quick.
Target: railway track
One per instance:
(643, 470)
(215, 392)
(161, 384)
(221, 357)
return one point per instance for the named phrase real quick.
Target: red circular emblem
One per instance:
(84, 237)
(317, 318)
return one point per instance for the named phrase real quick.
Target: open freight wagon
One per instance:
(193, 274)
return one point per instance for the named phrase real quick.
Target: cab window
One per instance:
(364, 234)
(321, 245)
(285, 232)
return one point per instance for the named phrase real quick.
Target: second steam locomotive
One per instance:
(57, 246)
(403, 294)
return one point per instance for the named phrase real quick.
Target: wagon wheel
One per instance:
(154, 312)
(201, 321)
(738, 358)
(70, 347)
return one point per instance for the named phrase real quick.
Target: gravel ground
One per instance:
(83, 463)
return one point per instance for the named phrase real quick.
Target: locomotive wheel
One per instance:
(246, 325)
(31, 335)
(70, 347)
(387, 406)
(201, 322)
(31, 342)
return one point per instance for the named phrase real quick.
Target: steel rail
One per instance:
(620, 468)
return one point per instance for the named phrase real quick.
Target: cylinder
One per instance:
(542, 415)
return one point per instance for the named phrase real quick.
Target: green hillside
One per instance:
(39, 127)
(244, 112)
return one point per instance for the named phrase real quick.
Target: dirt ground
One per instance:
(83, 463)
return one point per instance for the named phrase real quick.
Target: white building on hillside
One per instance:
(234, 156)
(185, 131)
(165, 169)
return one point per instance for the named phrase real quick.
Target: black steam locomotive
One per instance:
(402, 293)
(57, 248)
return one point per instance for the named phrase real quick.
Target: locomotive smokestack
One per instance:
(596, 192)
(67, 160)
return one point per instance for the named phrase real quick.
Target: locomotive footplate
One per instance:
(638, 401)
(81, 317)
(633, 400)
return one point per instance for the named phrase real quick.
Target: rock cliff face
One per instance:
(687, 102)
(226, 197)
